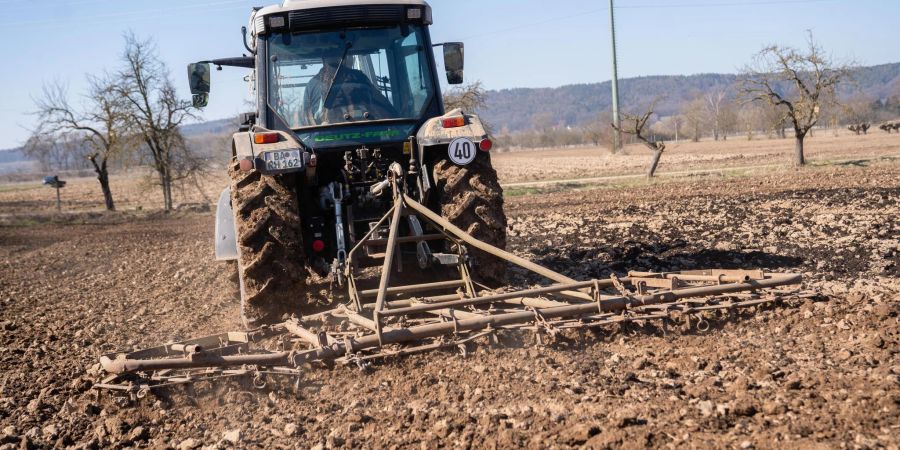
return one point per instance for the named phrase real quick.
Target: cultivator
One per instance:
(452, 313)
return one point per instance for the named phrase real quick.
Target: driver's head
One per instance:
(332, 61)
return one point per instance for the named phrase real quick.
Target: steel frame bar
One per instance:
(401, 335)
(484, 300)
(413, 288)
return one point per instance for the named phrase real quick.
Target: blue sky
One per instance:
(523, 43)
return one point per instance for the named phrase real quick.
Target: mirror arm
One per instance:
(246, 45)
(246, 62)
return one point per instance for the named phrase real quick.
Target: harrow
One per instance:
(452, 313)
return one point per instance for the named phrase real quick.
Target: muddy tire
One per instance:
(471, 198)
(271, 270)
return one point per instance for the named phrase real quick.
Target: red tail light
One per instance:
(453, 122)
(318, 245)
(265, 138)
(485, 145)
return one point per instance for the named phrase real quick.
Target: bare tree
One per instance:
(832, 116)
(774, 120)
(468, 97)
(859, 111)
(695, 117)
(635, 125)
(728, 119)
(797, 82)
(715, 103)
(58, 151)
(596, 132)
(156, 113)
(102, 124)
(751, 119)
(670, 126)
(677, 124)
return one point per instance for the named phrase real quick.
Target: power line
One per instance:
(39, 5)
(721, 4)
(124, 14)
(647, 6)
(541, 22)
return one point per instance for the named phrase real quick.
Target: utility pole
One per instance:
(617, 141)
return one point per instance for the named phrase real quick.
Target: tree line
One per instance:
(718, 114)
(779, 85)
(129, 115)
(788, 86)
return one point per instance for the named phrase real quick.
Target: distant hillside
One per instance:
(517, 109)
(11, 155)
(572, 105)
(14, 161)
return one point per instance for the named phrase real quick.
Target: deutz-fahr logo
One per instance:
(350, 136)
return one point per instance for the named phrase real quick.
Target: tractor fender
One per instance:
(243, 148)
(433, 133)
(432, 136)
(226, 244)
(242, 145)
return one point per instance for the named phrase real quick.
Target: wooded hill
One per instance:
(577, 104)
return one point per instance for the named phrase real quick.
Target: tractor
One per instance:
(346, 92)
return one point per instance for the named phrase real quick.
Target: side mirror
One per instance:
(198, 78)
(453, 62)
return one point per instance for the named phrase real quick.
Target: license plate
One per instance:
(283, 159)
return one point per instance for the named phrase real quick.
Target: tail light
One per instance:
(266, 138)
(485, 145)
(246, 164)
(453, 122)
(318, 245)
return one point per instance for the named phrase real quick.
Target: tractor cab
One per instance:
(340, 72)
(348, 101)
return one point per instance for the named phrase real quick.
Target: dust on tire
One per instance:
(270, 247)
(471, 198)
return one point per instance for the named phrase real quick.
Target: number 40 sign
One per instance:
(461, 151)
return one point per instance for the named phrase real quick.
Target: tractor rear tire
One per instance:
(271, 266)
(471, 198)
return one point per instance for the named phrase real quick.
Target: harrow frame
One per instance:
(414, 318)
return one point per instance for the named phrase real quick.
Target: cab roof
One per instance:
(296, 5)
(310, 14)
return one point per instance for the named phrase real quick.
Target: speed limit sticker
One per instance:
(461, 151)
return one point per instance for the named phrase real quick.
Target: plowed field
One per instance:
(822, 372)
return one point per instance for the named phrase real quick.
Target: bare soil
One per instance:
(135, 190)
(821, 373)
(737, 153)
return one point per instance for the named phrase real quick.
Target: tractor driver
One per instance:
(353, 96)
